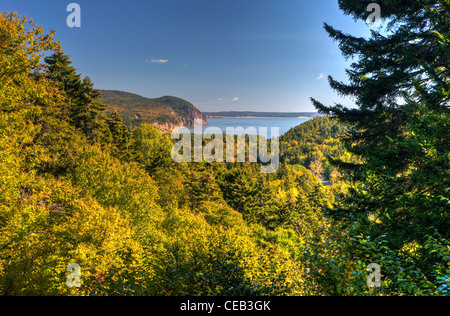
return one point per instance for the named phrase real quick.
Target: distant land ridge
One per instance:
(261, 114)
(165, 113)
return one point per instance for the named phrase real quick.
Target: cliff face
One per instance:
(185, 117)
(192, 115)
(166, 113)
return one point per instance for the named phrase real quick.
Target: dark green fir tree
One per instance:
(400, 82)
(61, 71)
(81, 106)
(122, 144)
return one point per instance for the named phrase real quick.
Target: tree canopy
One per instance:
(400, 132)
(77, 185)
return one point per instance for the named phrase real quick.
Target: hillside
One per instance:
(89, 207)
(165, 113)
(308, 144)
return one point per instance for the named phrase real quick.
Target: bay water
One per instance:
(216, 125)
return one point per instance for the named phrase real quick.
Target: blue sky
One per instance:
(255, 55)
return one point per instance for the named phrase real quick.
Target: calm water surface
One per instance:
(220, 124)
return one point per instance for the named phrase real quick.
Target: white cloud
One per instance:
(235, 99)
(220, 99)
(157, 61)
(321, 76)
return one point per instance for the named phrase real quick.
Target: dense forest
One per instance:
(79, 186)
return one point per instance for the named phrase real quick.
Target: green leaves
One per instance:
(21, 49)
(79, 187)
(399, 80)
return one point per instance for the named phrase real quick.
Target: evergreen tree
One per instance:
(88, 114)
(83, 111)
(400, 83)
(249, 193)
(61, 71)
(239, 191)
(122, 138)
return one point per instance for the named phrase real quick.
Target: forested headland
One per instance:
(77, 185)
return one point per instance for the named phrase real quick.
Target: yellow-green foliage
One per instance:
(46, 224)
(51, 228)
(136, 226)
(115, 184)
(199, 258)
(22, 44)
